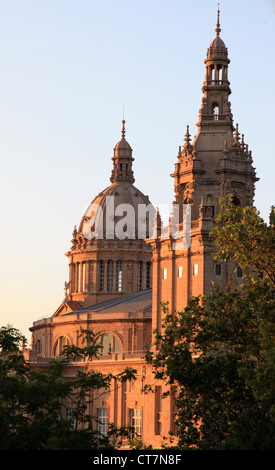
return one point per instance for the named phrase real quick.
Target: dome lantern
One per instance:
(122, 160)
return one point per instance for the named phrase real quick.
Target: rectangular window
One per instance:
(239, 272)
(195, 269)
(79, 278)
(180, 271)
(70, 415)
(157, 410)
(218, 269)
(110, 276)
(83, 277)
(102, 422)
(101, 275)
(139, 275)
(119, 276)
(73, 286)
(148, 274)
(165, 273)
(135, 422)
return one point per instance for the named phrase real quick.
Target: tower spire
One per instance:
(218, 29)
(123, 132)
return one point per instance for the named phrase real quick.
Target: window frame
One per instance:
(59, 344)
(110, 275)
(101, 275)
(113, 345)
(102, 426)
(218, 267)
(119, 275)
(135, 422)
(139, 275)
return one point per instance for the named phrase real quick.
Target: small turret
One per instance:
(122, 160)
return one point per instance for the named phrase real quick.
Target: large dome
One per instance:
(122, 209)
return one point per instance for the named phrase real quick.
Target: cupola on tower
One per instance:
(215, 164)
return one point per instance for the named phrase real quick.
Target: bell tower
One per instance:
(216, 87)
(215, 164)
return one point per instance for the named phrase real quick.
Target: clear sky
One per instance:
(67, 69)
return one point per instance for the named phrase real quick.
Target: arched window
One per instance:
(59, 345)
(236, 201)
(38, 347)
(220, 75)
(213, 73)
(216, 111)
(109, 344)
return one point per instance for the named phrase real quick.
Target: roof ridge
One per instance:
(116, 300)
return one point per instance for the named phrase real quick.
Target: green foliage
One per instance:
(33, 403)
(241, 234)
(219, 352)
(10, 340)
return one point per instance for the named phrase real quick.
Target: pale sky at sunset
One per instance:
(67, 69)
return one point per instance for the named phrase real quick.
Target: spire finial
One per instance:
(218, 29)
(123, 128)
(187, 139)
(236, 136)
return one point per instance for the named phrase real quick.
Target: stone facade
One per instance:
(112, 288)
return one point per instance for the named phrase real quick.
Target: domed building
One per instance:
(112, 289)
(108, 256)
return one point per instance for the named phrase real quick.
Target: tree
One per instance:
(241, 234)
(218, 354)
(32, 402)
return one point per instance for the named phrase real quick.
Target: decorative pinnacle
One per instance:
(242, 143)
(187, 139)
(157, 223)
(218, 29)
(236, 136)
(123, 128)
(75, 232)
